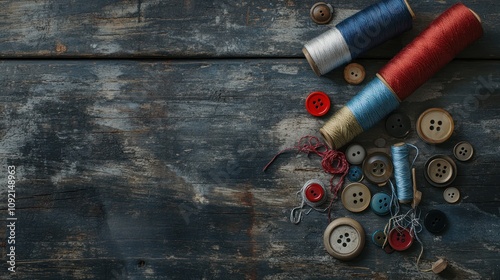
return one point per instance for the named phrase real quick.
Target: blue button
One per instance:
(355, 174)
(381, 203)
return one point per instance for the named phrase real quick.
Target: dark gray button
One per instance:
(440, 170)
(378, 168)
(321, 13)
(435, 221)
(398, 125)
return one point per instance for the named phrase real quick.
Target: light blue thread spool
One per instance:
(372, 103)
(358, 33)
(402, 172)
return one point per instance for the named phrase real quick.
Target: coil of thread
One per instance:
(358, 33)
(436, 46)
(402, 173)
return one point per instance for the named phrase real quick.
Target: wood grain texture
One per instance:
(198, 28)
(153, 170)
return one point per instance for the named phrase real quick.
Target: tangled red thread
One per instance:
(333, 162)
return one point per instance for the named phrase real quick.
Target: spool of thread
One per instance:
(436, 46)
(402, 173)
(358, 33)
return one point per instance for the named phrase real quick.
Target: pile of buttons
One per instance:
(344, 238)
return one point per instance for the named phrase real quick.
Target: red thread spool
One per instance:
(436, 46)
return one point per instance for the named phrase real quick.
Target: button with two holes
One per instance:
(355, 173)
(355, 154)
(380, 203)
(344, 238)
(435, 125)
(354, 73)
(378, 168)
(463, 151)
(321, 13)
(451, 195)
(356, 197)
(317, 103)
(398, 125)
(314, 192)
(440, 170)
(378, 237)
(435, 221)
(400, 239)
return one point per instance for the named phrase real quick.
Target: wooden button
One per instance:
(321, 13)
(463, 151)
(451, 195)
(378, 168)
(344, 238)
(354, 73)
(439, 265)
(435, 126)
(356, 197)
(440, 170)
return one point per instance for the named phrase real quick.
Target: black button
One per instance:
(435, 221)
(398, 125)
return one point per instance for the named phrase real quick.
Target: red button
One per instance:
(314, 192)
(400, 239)
(318, 103)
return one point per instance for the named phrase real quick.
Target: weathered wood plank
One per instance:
(197, 28)
(152, 170)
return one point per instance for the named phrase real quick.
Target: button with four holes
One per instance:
(435, 221)
(354, 73)
(440, 170)
(451, 195)
(317, 103)
(378, 168)
(314, 192)
(463, 151)
(355, 154)
(321, 13)
(355, 174)
(380, 203)
(400, 239)
(356, 197)
(378, 238)
(344, 238)
(398, 125)
(435, 125)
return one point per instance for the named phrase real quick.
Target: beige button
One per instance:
(463, 151)
(355, 154)
(344, 238)
(356, 197)
(435, 125)
(321, 13)
(451, 195)
(439, 265)
(440, 170)
(378, 168)
(354, 73)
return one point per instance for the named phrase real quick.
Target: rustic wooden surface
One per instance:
(152, 168)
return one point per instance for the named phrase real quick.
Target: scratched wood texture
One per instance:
(151, 168)
(197, 28)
